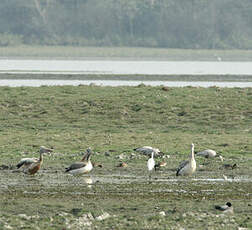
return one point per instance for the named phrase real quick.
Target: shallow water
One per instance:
(51, 180)
(125, 67)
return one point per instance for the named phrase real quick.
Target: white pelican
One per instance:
(227, 208)
(35, 166)
(147, 150)
(82, 167)
(187, 167)
(151, 163)
(209, 153)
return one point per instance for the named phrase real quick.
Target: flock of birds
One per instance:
(188, 167)
(32, 165)
(185, 168)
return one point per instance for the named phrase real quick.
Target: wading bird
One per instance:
(151, 164)
(147, 150)
(227, 208)
(82, 167)
(187, 167)
(33, 167)
(209, 153)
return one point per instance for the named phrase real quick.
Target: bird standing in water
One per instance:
(35, 166)
(151, 164)
(187, 167)
(82, 167)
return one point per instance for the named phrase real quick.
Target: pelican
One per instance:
(34, 167)
(44, 149)
(227, 208)
(151, 163)
(187, 167)
(147, 150)
(209, 153)
(82, 167)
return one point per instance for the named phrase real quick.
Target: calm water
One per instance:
(125, 67)
(37, 83)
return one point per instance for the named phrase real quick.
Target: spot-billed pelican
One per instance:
(82, 167)
(187, 167)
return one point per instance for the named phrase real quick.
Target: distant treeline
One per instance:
(200, 24)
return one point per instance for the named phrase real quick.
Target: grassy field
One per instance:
(68, 52)
(113, 121)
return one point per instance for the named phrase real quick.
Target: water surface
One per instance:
(125, 67)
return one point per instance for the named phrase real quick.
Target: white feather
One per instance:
(151, 162)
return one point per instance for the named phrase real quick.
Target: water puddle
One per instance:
(49, 180)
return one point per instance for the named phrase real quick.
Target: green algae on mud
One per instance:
(115, 120)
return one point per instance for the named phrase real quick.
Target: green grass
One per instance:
(116, 120)
(130, 114)
(68, 52)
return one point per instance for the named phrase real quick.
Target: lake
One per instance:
(125, 67)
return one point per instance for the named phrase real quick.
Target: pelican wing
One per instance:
(76, 165)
